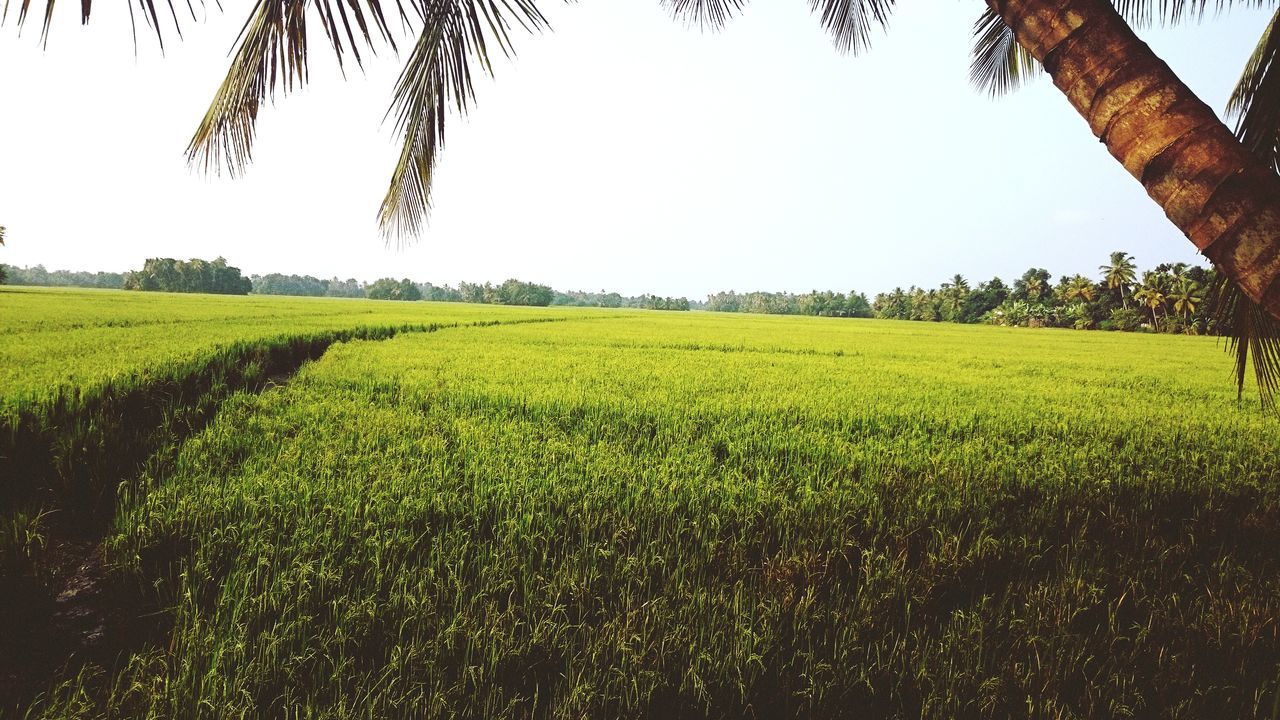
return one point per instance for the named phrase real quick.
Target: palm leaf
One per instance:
(999, 65)
(705, 13)
(850, 22)
(1251, 333)
(436, 78)
(147, 9)
(1255, 102)
(1142, 13)
(271, 55)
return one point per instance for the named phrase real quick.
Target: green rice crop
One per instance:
(649, 515)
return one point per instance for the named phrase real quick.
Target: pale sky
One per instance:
(621, 151)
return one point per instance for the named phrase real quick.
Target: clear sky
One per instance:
(621, 151)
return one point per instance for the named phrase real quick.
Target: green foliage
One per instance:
(389, 289)
(819, 303)
(296, 285)
(190, 276)
(37, 275)
(604, 299)
(1126, 319)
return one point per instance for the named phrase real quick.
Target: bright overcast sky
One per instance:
(621, 151)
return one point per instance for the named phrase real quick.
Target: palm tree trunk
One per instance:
(1222, 197)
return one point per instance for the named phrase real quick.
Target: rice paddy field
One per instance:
(458, 511)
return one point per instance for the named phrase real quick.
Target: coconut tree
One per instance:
(1151, 293)
(1180, 142)
(1185, 295)
(956, 292)
(1119, 274)
(1078, 288)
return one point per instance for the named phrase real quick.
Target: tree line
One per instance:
(215, 276)
(38, 275)
(509, 292)
(819, 303)
(1173, 297)
(188, 276)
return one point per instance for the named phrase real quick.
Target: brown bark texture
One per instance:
(1225, 199)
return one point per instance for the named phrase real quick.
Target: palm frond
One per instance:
(850, 22)
(1000, 65)
(704, 13)
(1255, 101)
(1251, 334)
(271, 55)
(1142, 13)
(150, 11)
(437, 78)
(1, 235)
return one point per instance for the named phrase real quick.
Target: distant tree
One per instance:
(1151, 293)
(192, 276)
(472, 293)
(1119, 274)
(986, 297)
(38, 275)
(893, 305)
(299, 285)
(955, 294)
(516, 292)
(1076, 288)
(435, 293)
(391, 289)
(1186, 295)
(349, 288)
(1032, 286)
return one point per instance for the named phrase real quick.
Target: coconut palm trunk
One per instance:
(1225, 199)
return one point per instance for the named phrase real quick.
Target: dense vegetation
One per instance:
(173, 275)
(1173, 297)
(631, 515)
(824, 304)
(37, 275)
(390, 289)
(188, 276)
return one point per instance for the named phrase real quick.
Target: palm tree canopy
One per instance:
(1120, 271)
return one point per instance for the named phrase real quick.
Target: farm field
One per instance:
(470, 511)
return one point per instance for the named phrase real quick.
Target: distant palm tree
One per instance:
(1080, 288)
(1151, 295)
(1119, 274)
(1035, 287)
(957, 293)
(1185, 296)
